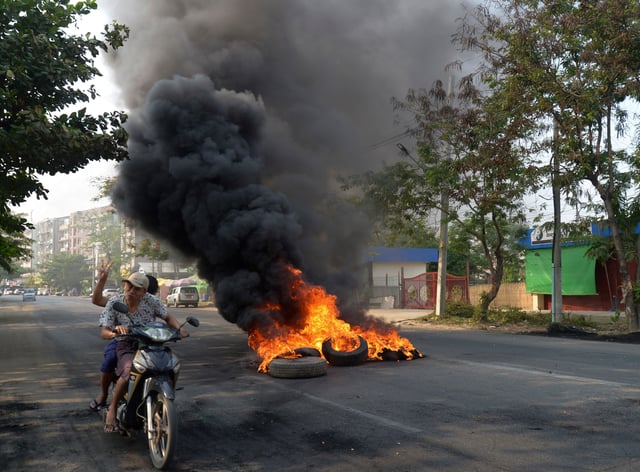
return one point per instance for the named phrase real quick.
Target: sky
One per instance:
(364, 51)
(374, 49)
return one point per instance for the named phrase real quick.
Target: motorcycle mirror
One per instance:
(121, 307)
(193, 321)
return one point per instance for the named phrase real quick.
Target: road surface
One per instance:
(479, 401)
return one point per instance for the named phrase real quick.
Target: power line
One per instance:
(392, 139)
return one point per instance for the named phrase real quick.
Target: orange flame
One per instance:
(319, 322)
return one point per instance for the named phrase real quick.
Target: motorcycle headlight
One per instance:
(158, 333)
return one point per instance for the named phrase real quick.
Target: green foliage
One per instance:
(509, 314)
(66, 271)
(467, 314)
(106, 236)
(13, 244)
(574, 67)
(152, 250)
(104, 186)
(460, 310)
(636, 293)
(468, 166)
(404, 233)
(44, 71)
(580, 321)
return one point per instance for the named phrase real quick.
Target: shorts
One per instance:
(110, 358)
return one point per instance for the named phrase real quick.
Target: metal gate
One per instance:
(420, 291)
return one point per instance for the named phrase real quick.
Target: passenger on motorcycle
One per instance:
(108, 366)
(143, 308)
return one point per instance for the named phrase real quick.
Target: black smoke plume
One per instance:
(195, 163)
(244, 112)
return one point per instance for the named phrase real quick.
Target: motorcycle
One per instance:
(148, 403)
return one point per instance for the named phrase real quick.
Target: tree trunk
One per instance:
(496, 281)
(630, 309)
(487, 297)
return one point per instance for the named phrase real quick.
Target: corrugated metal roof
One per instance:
(402, 254)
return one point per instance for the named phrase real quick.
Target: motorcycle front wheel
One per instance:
(162, 442)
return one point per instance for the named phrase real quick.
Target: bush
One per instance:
(580, 321)
(467, 314)
(507, 314)
(460, 310)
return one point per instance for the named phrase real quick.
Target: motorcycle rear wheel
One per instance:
(163, 423)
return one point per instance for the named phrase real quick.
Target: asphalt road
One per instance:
(479, 401)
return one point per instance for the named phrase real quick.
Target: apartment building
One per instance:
(97, 234)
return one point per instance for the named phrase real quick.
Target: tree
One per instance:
(13, 243)
(66, 271)
(469, 152)
(463, 250)
(43, 69)
(574, 66)
(153, 251)
(107, 238)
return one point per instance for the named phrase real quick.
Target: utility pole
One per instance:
(556, 254)
(441, 287)
(441, 293)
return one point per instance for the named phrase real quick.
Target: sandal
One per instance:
(95, 406)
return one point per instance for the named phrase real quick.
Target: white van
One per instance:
(185, 296)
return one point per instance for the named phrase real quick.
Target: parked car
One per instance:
(186, 296)
(29, 294)
(110, 292)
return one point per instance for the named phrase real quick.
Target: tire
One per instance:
(298, 368)
(307, 352)
(163, 422)
(344, 359)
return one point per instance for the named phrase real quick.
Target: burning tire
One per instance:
(307, 352)
(343, 358)
(298, 368)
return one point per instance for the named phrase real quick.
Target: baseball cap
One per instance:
(138, 279)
